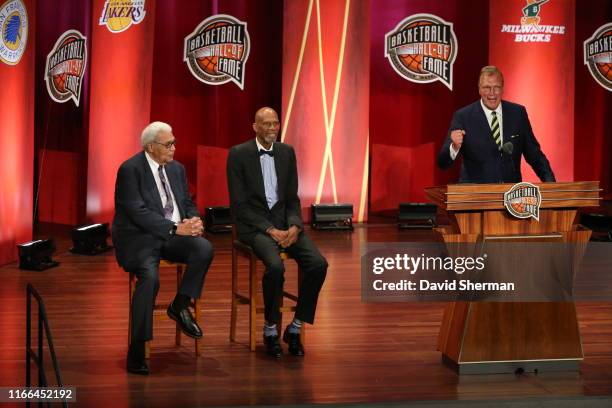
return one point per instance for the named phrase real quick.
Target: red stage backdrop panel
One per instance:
(389, 164)
(325, 98)
(58, 186)
(534, 44)
(16, 166)
(593, 146)
(405, 114)
(212, 189)
(120, 100)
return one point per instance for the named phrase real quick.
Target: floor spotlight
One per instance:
(90, 239)
(36, 255)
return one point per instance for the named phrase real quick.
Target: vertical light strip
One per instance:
(364, 182)
(329, 122)
(298, 70)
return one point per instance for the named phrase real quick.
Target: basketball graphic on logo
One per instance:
(209, 64)
(598, 57)
(60, 81)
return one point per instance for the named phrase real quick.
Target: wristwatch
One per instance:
(173, 230)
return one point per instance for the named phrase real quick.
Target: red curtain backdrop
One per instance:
(410, 115)
(120, 100)
(16, 166)
(60, 128)
(325, 99)
(593, 138)
(540, 75)
(222, 115)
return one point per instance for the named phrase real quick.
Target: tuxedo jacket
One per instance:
(482, 161)
(247, 193)
(139, 226)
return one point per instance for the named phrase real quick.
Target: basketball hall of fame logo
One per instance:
(216, 51)
(422, 48)
(65, 67)
(598, 55)
(14, 34)
(523, 200)
(119, 15)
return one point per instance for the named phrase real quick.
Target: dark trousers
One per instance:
(314, 269)
(196, 252)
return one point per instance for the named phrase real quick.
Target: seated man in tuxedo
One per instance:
(491, 135)
(263, 185)
(155, 218)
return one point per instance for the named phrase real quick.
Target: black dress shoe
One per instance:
(185, 322)
(273, 347)
(294, 342)
(136, 364)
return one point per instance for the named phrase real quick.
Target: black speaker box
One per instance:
(218, 219)
(417, 215)
(332, 216)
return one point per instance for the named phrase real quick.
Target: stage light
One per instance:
(90, 239)
(36, 255)
(218, 219)
(417, 215)
(332, 216)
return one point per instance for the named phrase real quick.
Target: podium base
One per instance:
(516, 367)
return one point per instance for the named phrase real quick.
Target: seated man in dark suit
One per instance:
(263, 185)
(491, 135)
(155, 218)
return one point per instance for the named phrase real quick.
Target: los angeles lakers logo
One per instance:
(216, 51)
(14, 34)
(523, 200)
(119, 15)
(65, 67)
(598, 55)
(422, 48)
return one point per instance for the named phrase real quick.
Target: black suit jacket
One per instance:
(139, 226)
(247, 193)
(482, 161)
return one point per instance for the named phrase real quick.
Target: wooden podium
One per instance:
(501, 337)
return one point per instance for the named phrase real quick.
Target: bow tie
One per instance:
(268, 152)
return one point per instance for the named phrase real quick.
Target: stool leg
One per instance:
(303, 329)
(198, 342)
(234, 298)
(252, 301)
(179, 275)
(147, 349)
(131, 294)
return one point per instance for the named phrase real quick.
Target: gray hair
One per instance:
(149, 134)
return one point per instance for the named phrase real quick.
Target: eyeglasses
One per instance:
(488, 89)
(167, 145)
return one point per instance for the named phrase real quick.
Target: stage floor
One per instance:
(355, 352)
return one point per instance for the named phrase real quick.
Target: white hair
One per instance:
(149, 134)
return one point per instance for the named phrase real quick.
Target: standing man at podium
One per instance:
(491, 135)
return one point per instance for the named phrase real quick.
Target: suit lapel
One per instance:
(279, 165)
(149, 183)
(255, 170)
(505, 123)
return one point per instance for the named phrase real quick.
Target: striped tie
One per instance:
(169, 207)
(495, 130)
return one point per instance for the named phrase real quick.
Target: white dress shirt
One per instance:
(176, 215)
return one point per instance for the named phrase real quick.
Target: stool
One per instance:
(163, 307)
(241, 249)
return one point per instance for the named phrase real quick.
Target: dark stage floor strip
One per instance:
(356, 353)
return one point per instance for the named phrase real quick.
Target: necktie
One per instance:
(169, 207)
(495, 130)
(268, 152)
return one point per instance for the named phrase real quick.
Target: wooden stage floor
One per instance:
(355, 352)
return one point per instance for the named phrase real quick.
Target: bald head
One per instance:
(266, 126)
